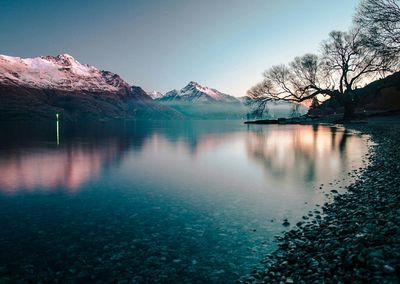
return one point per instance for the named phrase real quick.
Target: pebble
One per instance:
(388, 268)
(358, 238)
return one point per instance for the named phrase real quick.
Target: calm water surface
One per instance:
(185, 201)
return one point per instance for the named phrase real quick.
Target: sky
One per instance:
(164, 44)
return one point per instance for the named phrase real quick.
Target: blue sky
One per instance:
(163, 44)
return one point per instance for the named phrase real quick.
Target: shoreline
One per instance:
(357, 237)
(360, 118)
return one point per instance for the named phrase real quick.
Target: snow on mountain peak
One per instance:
(194, 92)
(213, 93)
(66, 56)
(155, 95)
(194, 84)
(61, 72)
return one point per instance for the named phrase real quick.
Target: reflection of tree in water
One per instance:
(307, 152)
(343, 140)
(343, 143)
(333, 136)
(30, 158)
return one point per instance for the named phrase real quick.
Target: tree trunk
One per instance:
(349, 111)
(349, 103)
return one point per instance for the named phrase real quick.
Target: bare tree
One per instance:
(379, 21)
(346, 62)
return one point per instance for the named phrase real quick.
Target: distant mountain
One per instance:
(37, 88)
(196, 93)
(199, 102)
(244, 99)
(155, 95)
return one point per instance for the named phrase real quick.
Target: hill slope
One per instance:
(379, 96)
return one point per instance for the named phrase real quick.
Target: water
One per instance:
(189, 201)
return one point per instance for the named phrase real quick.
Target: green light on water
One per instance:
(58, 130)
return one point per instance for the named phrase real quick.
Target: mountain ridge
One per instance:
(193, 92)
(196, 101)
(39, 87)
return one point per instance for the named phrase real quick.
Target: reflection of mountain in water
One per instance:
(305, 152)
(30, 160)
(68, 167)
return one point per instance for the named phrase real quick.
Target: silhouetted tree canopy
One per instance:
(348, 60)
(379, 21)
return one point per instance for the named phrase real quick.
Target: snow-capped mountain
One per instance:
(155, 95)
(199, 102)
(196, 93)
(42, 86)
(62, 72)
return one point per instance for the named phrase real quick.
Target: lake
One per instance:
(173, 201)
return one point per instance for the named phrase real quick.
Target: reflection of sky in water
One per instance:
(296, 153)
(205, 190)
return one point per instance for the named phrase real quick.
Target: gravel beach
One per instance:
(356, 239)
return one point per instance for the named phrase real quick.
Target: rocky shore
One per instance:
(356, 239)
